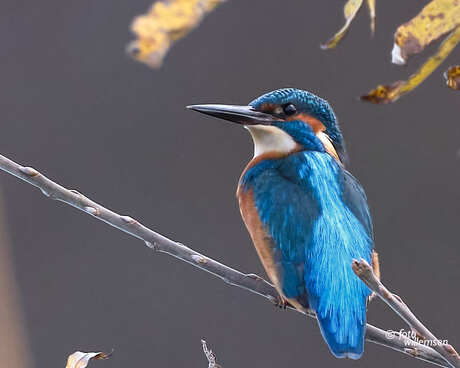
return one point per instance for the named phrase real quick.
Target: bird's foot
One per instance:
(282, 303)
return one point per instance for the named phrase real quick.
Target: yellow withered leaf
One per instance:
(165, 22)
(436, 19)
(390, 93)
(371, 6)
(350, 10)
(80, 359)
(452, 76)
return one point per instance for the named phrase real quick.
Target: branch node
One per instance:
(411, 351)
(387, 294)
(199, 259)
(414, 330)
(92, 211)
(152, 246)
(361, 267)
(398, 298)
(450, 349)
(128, 219)
(182, 244)
(46, 194)
(254, 276)
(29, 171)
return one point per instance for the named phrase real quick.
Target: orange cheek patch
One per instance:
(315, 124)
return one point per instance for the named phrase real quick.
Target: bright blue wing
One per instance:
(342, 233)
(355, 198)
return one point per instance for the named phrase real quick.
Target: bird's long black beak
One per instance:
(245, 115)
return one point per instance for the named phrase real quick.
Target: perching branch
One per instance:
(364, 271)
(158, 242)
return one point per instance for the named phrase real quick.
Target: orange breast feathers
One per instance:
(262, 241)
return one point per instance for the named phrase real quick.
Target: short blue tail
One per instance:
(339, 299)
(344, 334)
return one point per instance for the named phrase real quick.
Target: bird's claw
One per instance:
(281, 303)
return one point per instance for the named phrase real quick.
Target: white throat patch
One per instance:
(268, 138)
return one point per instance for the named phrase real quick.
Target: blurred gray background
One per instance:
(74, 106)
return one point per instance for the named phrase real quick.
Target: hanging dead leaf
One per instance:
(436, 19)
(165, 23)
(390, 93)
(452, 76)
(80, 359)
(350, 10)
(371, 6)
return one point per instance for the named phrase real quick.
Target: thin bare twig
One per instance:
(160, 243)
(364, 271)
(209, 356)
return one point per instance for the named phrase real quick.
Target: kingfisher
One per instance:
(306, 214)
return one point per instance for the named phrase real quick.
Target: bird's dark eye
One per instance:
(289, 109)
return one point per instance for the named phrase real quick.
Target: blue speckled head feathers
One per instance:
(306, 103)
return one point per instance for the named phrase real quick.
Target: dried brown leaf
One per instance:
(165, 23)
(452, 76)
(390, 93)
(436, 19)
(80, 359)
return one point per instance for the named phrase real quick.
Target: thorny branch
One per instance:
(160, 243)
